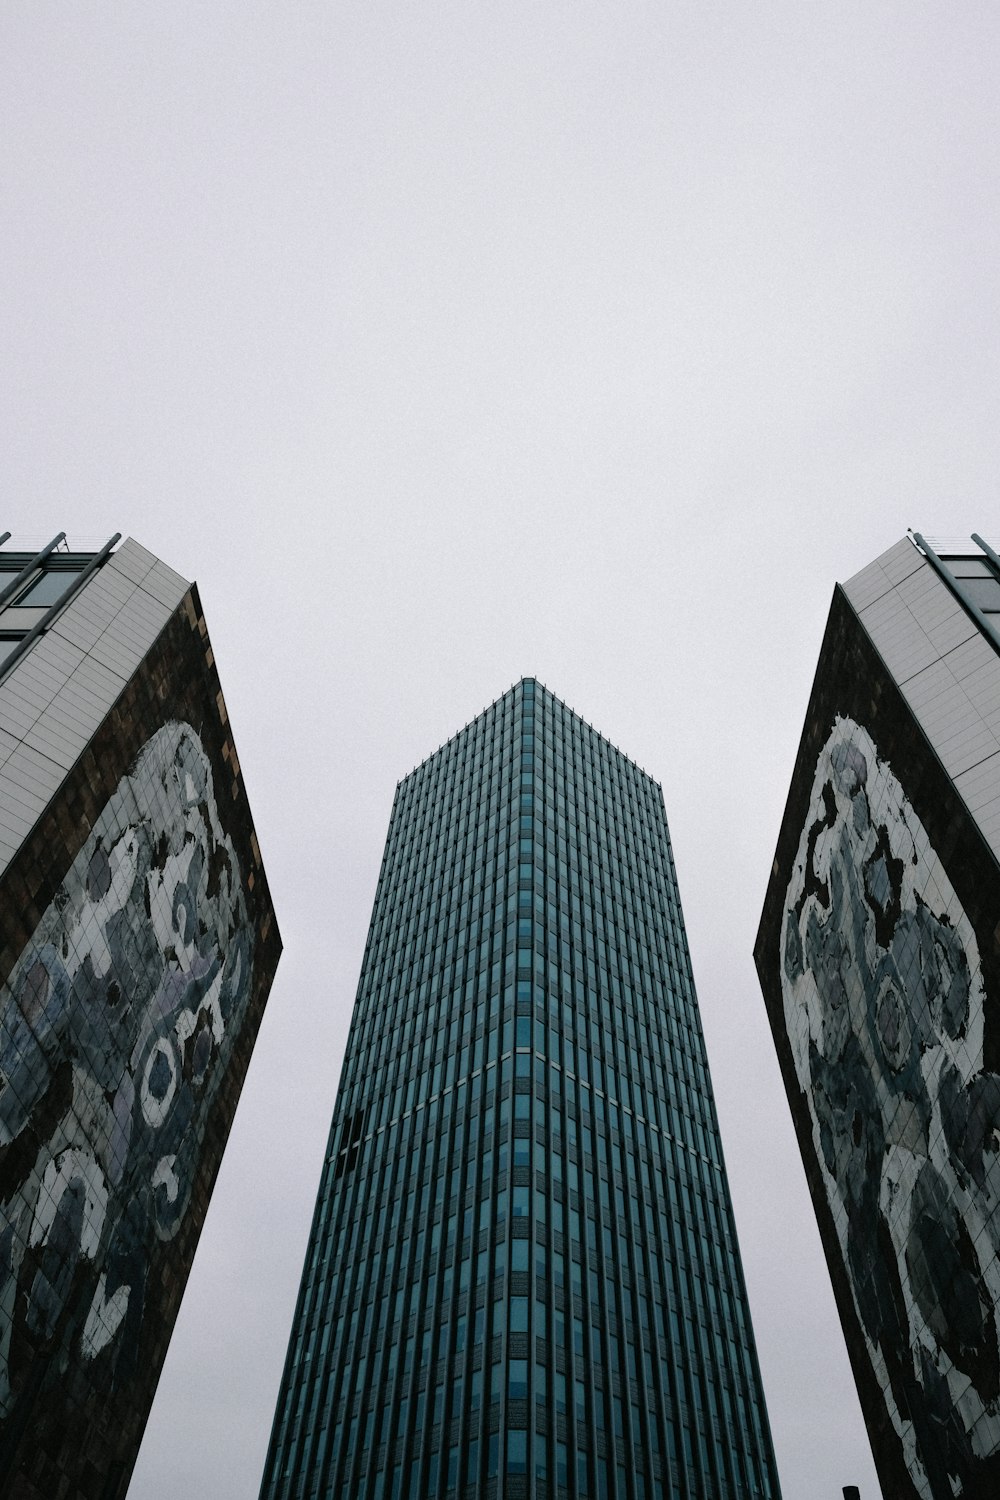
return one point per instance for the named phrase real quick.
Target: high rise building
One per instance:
(137, 947)
(879, 960)
(522, 1277)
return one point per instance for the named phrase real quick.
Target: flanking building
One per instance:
(522, 1277)
(137, 947)
(879, 957)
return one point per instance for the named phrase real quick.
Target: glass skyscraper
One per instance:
(522, 1277)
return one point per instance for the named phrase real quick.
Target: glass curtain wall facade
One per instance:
(522, 1276)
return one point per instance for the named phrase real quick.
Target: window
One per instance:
(47, 589)
(540, 1383)
(517, 1451)
(984, 591)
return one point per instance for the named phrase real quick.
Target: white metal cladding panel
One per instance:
(94, 609)
(899, 637)
(948, 672)
(974, 657)
(983, 688)
(901, 560)
(132, 560)
(60, 745)
(980, 787)
(868, 585)
(883, 574)
(165, 585)
(942, 617)
(54, 700)
(966, 746)
(8, 744)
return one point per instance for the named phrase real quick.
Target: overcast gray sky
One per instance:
(448, 342)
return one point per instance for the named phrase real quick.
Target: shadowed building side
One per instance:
(137, 947)
(879, 960)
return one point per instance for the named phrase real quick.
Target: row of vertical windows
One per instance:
(447, 900)
(512, 1276)
(609, 778)
(689, 1299)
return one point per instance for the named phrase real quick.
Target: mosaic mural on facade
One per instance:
(884, 1007)
(116, 1029)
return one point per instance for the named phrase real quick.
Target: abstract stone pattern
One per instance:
(116, 1027)
(137, 947)
(885, 1011)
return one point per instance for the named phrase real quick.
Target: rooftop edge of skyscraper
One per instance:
(536, 682)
